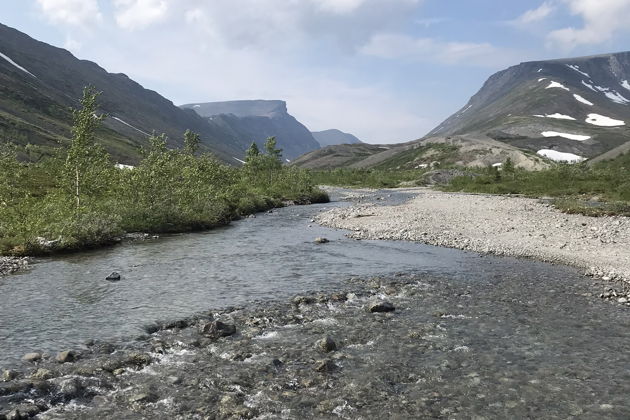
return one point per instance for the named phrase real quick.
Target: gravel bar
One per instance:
(499, 225)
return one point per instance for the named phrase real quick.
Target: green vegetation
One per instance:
(78, 198)
(595, 190)
(446, 154)
(367, 178)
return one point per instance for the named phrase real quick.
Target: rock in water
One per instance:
(325, 366)
(67, 356)
(327, 344)
(321, 241)
(32, 357)
(113, 277)
(217, 329)
(381, 307)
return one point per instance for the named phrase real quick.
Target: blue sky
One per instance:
(384, 70)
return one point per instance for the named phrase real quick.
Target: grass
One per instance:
(601, 189)
(367, 178)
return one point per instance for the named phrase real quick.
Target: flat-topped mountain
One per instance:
(334, 136)
(255, 121)
(578, 105)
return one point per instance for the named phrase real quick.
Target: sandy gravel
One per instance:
(498, 225)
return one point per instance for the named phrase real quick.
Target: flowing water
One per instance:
(64, 301)
(472, 336)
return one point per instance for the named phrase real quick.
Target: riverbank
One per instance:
(411, 346)
(499, 225)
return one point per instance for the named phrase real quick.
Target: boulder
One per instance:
(321, 240)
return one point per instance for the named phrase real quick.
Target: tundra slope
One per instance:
(510, 226)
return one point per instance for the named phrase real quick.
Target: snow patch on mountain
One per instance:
(577, 137)
(576, 68)
(560, 156)
(588, 85)
(237, 159)
(559, 116)
(557, 85)
(16, 65)
(625, 84)
(131, 126)
(581, 99)
(617, 98)
(603, 121)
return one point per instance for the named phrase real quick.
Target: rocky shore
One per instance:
(10, 265)
(499, 225)
(408, 346)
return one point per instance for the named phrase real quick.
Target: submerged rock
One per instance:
(321, 240)
(327, 344)
(325, 366)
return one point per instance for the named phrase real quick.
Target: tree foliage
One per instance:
(79, 199)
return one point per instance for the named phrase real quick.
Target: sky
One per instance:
(384, 70)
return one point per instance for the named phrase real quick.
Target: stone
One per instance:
(381, 307)
(174, 380)
(327, 344)
(306, 300)
(42, 374)
(622, 300)
(143, 397)
(321, 240)
(9, 375)
(67, 356)
(32, 357)
(217, 329)
(70, 388)
(113, 277)
(325, 366)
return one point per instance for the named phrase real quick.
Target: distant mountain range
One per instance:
(564, 110)
(332, 137)
(39, 84)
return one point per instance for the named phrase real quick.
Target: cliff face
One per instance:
(255, 121)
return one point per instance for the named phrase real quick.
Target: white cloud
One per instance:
(398, 46)
(339, 6)
(603, 19)
(138, 14)
(535, 15)
(71, 12)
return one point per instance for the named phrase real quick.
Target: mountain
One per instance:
(563, 110)
(332, 137)
(257, 120)
(39, 84)
(578, 105)
(432, 152)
